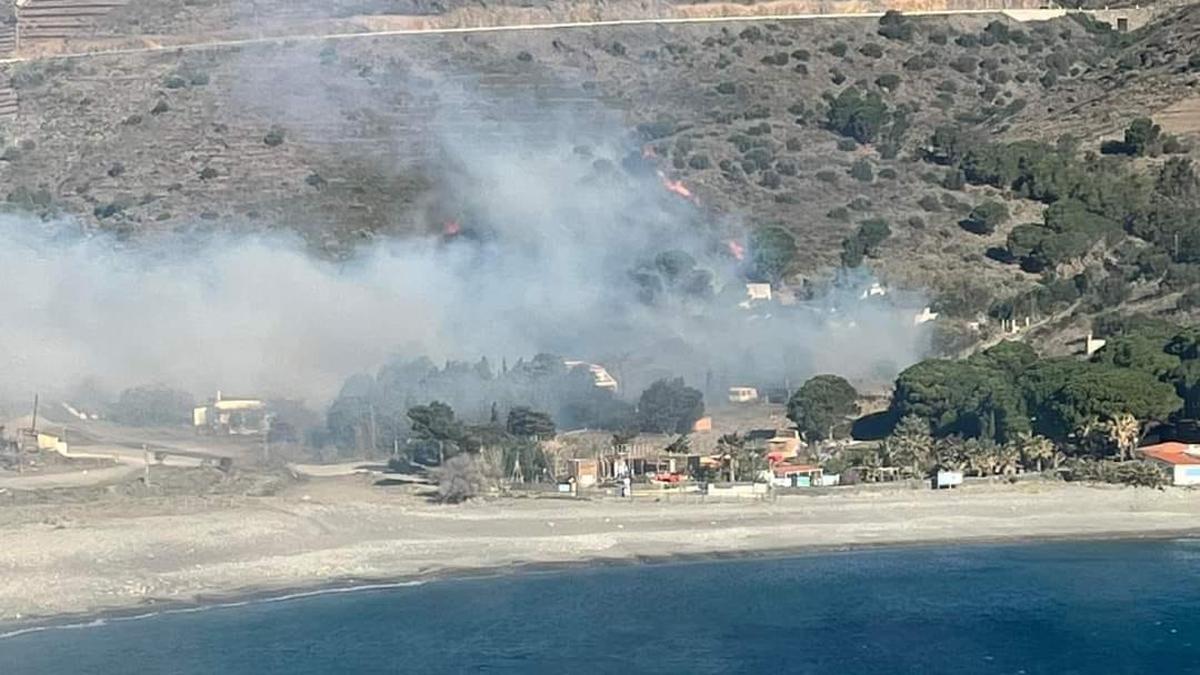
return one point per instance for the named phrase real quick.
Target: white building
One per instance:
(743, 394)
(601, 378)
(1180, 460)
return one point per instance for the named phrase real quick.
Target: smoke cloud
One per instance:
(542, 226)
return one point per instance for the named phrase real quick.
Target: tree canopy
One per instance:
(669, 406)
(822, 406)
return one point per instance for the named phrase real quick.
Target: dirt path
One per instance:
(413, 26)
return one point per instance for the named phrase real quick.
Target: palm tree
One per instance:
(1124, 432)
(1008, 458)
(981, 456)
(949, 454)
(1036, 449)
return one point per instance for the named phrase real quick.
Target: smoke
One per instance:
(551, 231)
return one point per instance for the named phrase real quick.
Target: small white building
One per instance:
(232, 416)
(1180, 460)
(743, 394)
(601, 378)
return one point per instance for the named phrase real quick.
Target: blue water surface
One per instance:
(1079, 607)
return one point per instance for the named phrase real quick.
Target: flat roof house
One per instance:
(1181, 460)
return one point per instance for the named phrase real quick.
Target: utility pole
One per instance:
(146, 458)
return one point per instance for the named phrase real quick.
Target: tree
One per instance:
(1065, 395)
(911, 445)
(1124, 433)
(436, 425)
(772, 251)
(821, 406)
(742, 463)
(857, 115)
(526, 423)
(461, 478)
(1035, 450)
(872, 232)
(153, 406)
(670, 406)
(984, 218)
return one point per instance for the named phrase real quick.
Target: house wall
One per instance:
(1187, 474)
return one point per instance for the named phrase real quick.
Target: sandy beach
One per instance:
(58, 559)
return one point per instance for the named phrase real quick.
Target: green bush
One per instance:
(895, 26)
(274, 137)
(889, 81)
(861, 170)
(857, 115)
(871, 50)
(984, 218)
(847, 144)
(837, 49)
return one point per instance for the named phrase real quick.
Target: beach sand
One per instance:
(60, 559)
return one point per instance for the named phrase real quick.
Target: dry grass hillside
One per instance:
(333, 138)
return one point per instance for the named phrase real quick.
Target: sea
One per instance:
(1060, 607)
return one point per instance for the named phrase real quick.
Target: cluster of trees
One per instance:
(1092, 199)
(371, 412)
(153, 406)
(672, 274)
(1007, 393)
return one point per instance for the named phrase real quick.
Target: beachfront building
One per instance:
(1180, 460)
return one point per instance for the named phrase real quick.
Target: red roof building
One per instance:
(1181, 459)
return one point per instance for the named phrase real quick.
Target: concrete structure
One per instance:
(586, 472)
(796, 475)
(785, 443)
(232, 416)
(947, 479)
(756, 293)
(1180, 460)
(601, 378)
(925, 316)
(737, 490)
(743, 394)
(1091, 345)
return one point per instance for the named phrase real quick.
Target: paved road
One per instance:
(1027, 14)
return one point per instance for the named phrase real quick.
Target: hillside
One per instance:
(344, 140)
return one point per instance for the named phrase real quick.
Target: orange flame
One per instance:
(648, 151)
(451, 228)
(736, 250)
(677, 187)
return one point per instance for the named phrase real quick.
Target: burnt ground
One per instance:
(339, 140)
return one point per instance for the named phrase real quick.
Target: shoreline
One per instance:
(253, 596)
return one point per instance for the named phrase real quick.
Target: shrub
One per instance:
(801, 55)
(838, 49)
(770, 180)
(524, 56)
(984, 218)
(847, 144)
(964, 64)
(895, 26)
(726, 88)
(699, 162)
(827, 176)
(887, 174)
(916, 222)
(921, 62)
(857, 115)
(776, 59)
(930, 203)
(840, 213)
(871, 50)
(274, 137)
(460, 478)
(160, 108)
(208, 173)
(889, 81)
(861, 170)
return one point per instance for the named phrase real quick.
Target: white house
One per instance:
(1180, 460)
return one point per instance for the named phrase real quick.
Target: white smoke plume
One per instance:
(535, 256)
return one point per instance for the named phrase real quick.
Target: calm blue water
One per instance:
(1102, 607)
